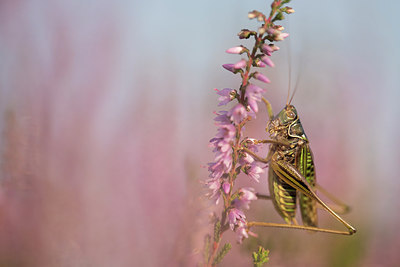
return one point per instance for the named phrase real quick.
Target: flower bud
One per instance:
(266, 49)
(226, 187)
(241, 64)
(261, 30)
(258, 63)
(235, 50)
(274, 47)
(280, 36)
(268, 61)
(261, 77)
(245, 34)
(289, 10)
(253, 14)
(230, 67)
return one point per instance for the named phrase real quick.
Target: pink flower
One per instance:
(226, 131)
(268, 61)
(222, 118)
(254, 172)
(269, 49)
(259, 63)
(238, 113)
(240, 64)
(245, 159)
(235, 50)
(242, 232)
(253, 94)
(230, 67)
(223, 157)
(222, 143)
(214, 185)
(226, 187)
(246, 195)
(226, 95)
(281, 36)
(234, 67)
(235, 216)
(261, 77)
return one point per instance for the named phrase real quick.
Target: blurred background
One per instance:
(106, 110)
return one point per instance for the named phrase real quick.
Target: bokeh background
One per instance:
(106, 110)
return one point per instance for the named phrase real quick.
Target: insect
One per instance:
(291, 174)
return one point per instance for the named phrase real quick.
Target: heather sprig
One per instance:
(228, 144)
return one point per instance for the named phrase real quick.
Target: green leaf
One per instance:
(206, 249)
(222, 253)
(260, 257)
(278, 16)
(217, 231)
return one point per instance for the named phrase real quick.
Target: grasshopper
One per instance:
(291, 174)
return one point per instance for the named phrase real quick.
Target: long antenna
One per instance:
(290, 67)
(290, 79)
(295, 88)
(297, 79)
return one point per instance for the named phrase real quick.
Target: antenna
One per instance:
(297, 80)
(290, 67)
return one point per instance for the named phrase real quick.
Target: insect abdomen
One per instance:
(308, 207)
(283, 196)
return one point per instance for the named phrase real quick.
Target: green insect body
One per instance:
(291, 174)
(294, 149)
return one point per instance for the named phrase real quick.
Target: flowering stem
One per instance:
(235, 154)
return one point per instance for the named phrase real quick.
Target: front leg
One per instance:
(256, 157)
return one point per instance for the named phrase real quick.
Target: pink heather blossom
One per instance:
(271, 31)
(281, 36)
(267, 61)
(214, 185)
(246, 195)
(260, 64)
(242, 232)
(225, 158)
(235, 216)
(226, 132)
(267, 49)
(226, 187)
(245, 159)
(261, 77)
(289, 10)
(238, 113)
(254, 172)
(240, 64)
(253, 94)
(217, 169)
(230, 67)
(252, 145)
(226, 95)
(222, 143)
(235, 50)
(222, 118)
(252, 14)
(274, 48)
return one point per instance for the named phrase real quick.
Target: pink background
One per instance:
(106, 112)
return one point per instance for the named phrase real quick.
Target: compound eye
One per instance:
(290, 114)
